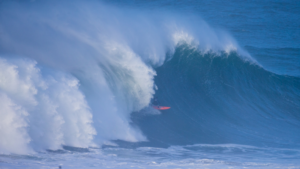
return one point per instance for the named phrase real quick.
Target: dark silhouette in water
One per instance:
(155, 102)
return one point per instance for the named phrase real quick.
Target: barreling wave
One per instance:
(74, 72)
(222, 98)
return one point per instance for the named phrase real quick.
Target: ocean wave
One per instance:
(74, 72)
(222, 98)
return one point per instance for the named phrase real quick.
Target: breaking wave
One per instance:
(73, 74)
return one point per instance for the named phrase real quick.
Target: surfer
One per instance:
(155, 102)
(155, 105)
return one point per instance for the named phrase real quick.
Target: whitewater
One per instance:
(77, 80)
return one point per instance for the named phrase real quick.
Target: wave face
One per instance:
(221, 98)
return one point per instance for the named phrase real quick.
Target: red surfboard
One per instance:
(161, 107)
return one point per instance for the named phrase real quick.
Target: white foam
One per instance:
(48, 112)
(194, 156)
(14, 138)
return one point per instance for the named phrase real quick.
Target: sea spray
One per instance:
(90, 66)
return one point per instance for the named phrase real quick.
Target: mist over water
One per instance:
(77, 79)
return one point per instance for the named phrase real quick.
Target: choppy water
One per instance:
(77, 79)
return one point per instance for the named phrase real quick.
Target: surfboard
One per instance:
(161, 107)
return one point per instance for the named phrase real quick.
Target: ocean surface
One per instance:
(78, 78)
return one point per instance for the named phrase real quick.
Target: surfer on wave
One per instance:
(155, 105)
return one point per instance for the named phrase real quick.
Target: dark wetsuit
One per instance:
(155, 102)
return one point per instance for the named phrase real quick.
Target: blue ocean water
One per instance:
(77, 81)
